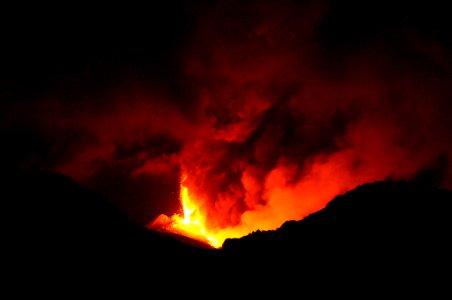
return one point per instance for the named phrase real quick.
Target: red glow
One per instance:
(265, 113)
(281, 128)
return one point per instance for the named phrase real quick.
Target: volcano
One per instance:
(378, 229)
(219, 143)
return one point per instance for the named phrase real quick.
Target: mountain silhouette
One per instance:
(396, 229)
(376, 236)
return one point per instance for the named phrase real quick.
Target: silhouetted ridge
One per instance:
(55, 223)
(377, 235)
(380, 238)
(375, 216)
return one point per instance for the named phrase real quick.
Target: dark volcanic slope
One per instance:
(398, 229)
(382, 237)
(53, 223)
(387, 215)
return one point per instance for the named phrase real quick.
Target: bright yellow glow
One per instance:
(192, 221)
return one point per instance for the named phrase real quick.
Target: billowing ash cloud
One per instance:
(280, 107)
(290, 122)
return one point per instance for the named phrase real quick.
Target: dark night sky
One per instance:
(239, 93)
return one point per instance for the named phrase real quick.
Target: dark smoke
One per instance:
(271, 107)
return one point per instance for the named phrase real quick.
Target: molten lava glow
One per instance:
(192, 221)
(284, 201)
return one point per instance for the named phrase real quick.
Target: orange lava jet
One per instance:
(191, 222)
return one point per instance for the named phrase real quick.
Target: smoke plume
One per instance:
(270, 108)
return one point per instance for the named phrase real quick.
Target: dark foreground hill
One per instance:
(380, 235)
(380, 218)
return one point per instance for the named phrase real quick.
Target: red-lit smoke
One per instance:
(270, 122)
(286, 129)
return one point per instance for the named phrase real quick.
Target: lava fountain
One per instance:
(191, 222)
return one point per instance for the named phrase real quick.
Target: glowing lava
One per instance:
(191, 223)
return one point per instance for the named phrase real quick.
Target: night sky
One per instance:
(271, 108)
